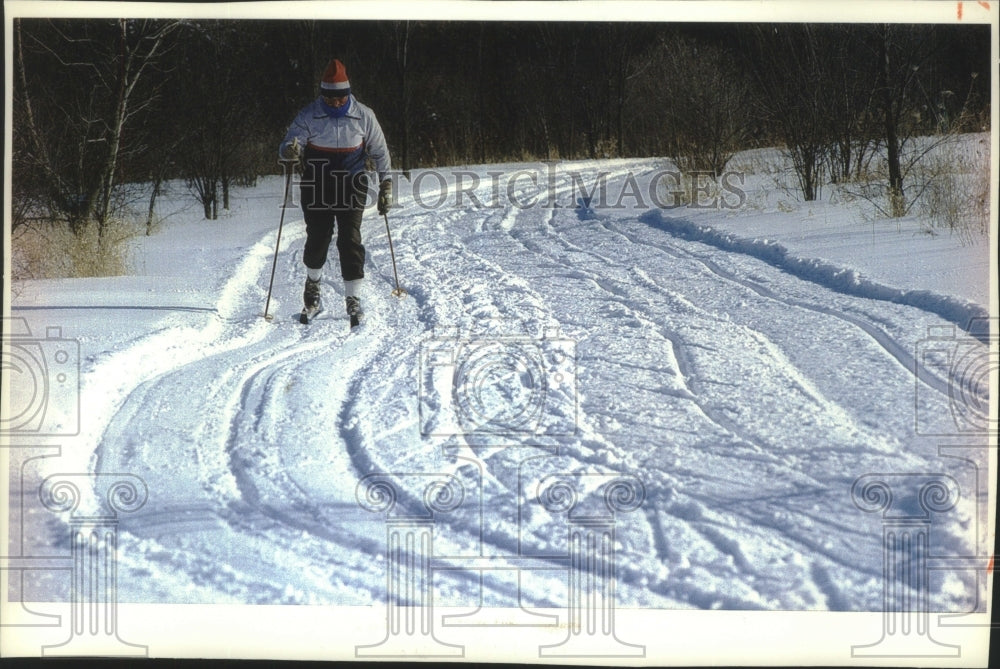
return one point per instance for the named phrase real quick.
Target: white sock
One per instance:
(352, 288)
(314, 274)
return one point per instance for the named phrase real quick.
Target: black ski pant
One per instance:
(333, 202)
(321, 225)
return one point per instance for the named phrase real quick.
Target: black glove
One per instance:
(384, 196)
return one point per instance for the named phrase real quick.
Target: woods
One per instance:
(101, 103)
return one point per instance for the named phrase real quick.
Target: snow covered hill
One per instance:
(719, 385)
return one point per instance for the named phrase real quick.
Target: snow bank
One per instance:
(827, 274)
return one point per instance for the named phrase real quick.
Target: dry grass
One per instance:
(679, 188)
(46, 251)
(956, 194)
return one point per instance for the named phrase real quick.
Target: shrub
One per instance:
(955, 195)
(43, 250)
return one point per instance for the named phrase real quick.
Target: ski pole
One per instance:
(398, 292)
(274, 265)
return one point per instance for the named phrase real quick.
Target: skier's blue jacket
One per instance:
(335, 147)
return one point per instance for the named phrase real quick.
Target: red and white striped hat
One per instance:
(335, 83)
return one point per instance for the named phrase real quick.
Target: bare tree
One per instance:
(850, 79)
(789, 70)
(88, 74)
(220, 146)
(902, 51)
(707, 103)
(401, 42)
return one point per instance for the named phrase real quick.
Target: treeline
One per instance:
(100, 103)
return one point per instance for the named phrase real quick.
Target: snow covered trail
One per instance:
(744, 399)
(755, 412)
(226, 443)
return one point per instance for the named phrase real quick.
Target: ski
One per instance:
(309, 314)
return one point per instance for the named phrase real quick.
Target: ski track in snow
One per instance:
(740, 395)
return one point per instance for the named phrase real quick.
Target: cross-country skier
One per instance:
(333, 136)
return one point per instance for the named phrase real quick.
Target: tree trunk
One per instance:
(622, 76)
(896, 196)
(891, 120)
(157, 181)
(481, 95)
(402, 49)
(130, 67)
(99, 202)
(101, 210)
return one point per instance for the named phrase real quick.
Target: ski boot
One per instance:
(311, 300)
(354, 310)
